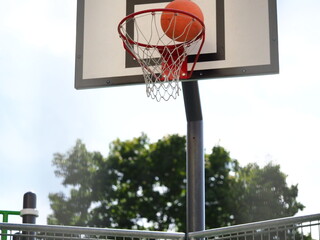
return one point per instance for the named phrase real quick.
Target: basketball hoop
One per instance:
(163, 55)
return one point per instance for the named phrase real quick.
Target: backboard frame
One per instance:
(271, 68)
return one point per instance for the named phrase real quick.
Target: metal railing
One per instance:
(50, 232)
(5, 218)
(292, 228)
(5, 214)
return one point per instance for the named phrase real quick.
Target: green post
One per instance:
(5, 218)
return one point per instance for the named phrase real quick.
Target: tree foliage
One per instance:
(142, 185)
(266, 194)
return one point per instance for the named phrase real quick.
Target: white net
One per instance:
(164, 60)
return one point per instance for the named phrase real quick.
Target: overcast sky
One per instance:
(257, 119)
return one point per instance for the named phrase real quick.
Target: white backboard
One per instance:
(241, 40)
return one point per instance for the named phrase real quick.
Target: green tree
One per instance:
(142, 185)
(221, 187)
(78, 169)
(139, 182)
(142, 182)
(266, 194)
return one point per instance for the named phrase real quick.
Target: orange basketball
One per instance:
(181, 27)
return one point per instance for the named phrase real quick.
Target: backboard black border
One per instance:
(272, 68)
(220, 26)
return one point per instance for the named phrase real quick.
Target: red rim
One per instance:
(132, 15)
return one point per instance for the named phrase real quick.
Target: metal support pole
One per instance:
(29, 211)
(195, 158)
